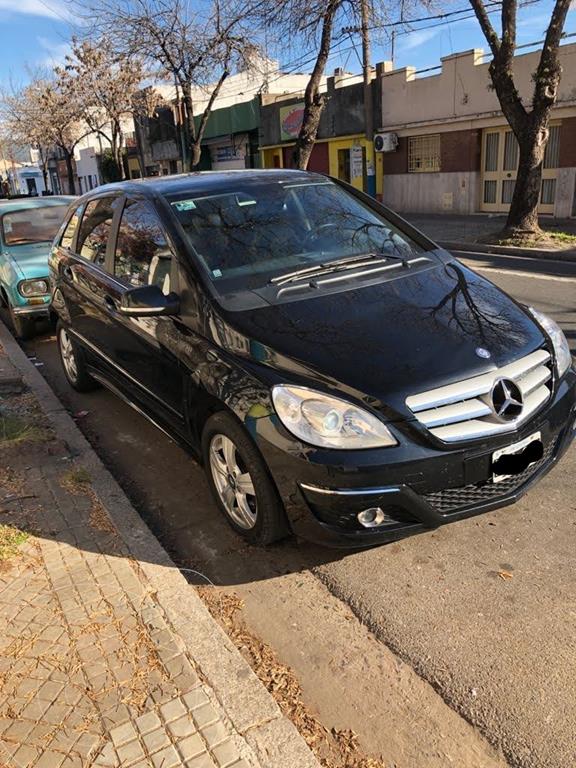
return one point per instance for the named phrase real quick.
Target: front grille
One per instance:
(456, 499)
(464, 411)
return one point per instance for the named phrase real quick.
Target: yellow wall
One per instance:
(133, 165)
(348, 142)
(268, 154)
(268, 157)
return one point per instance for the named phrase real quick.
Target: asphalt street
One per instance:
(474, 623)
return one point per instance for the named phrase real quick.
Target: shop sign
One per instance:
(291, 121)
(356, 162)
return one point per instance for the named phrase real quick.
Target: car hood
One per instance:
(384, 342)
(30, 260)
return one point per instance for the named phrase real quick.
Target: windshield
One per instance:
(252, 232)
(32, 225)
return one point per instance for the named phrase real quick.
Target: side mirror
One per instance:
(148, 301)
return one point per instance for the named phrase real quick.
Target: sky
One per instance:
(35, 33)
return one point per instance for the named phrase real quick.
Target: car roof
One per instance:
(25, 203)
(203, 180)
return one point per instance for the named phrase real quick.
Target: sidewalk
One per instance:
(108, 657)
(449, 227)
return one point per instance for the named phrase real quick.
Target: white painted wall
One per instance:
(460, 91)
(432, 192)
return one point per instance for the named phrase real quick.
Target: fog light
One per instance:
(371, 518)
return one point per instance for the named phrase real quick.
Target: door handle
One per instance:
(110, 303)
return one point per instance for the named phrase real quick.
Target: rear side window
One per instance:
(71, 227)
(95, 229)
(143, 256)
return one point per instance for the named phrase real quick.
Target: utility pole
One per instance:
(368, 102)
(368, 110)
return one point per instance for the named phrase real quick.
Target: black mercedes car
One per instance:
(337, 374)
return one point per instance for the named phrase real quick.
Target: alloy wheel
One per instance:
(233, 482)
(68, 357)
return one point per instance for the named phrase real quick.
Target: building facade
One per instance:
(341, 149)
(231, 136)
(454, 149)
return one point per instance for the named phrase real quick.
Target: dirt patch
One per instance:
(79, 482)
(550, 241)
(11, 539)
(333, 748)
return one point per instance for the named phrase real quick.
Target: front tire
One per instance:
(73, 363)
(240, 482)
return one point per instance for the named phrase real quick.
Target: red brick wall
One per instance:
(396, 162)
(459, 151)
(568, 143)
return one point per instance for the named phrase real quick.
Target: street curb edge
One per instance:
(243, 697)
(506, 250)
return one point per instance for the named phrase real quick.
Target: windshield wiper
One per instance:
(338, 265)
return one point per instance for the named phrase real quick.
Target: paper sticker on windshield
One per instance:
(184, 205)
(7, 224)
(217, 272)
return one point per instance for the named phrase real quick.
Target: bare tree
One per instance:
(104, 83)
(193, 46)
(24, 126)
(529, 124)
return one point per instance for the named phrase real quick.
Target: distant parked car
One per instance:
(27, 228)
(338, 374)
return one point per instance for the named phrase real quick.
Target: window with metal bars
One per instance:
(424, 154)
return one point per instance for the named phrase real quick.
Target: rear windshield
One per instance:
(251, 232)
(32, 225)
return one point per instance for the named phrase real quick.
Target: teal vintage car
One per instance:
(27, 228)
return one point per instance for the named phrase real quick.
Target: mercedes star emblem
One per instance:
(507, 399)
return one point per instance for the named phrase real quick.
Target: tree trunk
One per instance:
(308, 131)
(523, 214)
(193, 149)
(314, 101)
(70, 172)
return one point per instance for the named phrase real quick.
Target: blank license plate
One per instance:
(514, 449)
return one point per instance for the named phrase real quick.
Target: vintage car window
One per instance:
(32, 225)
(248, 233)
(143, 256)
(95, 229)
(71, 227)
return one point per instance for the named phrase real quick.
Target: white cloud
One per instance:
(52, 9)
(419, 37)
(56, 51)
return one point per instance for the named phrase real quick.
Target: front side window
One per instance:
(143, 256)
(246, 234)
(424, 154)
(32, 225)
(95, 229)
(71, 228)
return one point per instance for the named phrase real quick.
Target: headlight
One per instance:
(561, 348)
(29, 288)
(328, 421)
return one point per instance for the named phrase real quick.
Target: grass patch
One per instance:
(10, 540)
(563, 237)
(13, 429)
(78, 479)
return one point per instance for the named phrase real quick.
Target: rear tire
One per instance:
(240, 482)
(73, 362)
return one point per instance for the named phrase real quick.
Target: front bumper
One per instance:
(38, 310)
(417, 484)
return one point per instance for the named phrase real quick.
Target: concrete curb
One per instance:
(505, 250)
(251, 709)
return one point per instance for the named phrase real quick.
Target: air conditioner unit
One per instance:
(385, 142)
